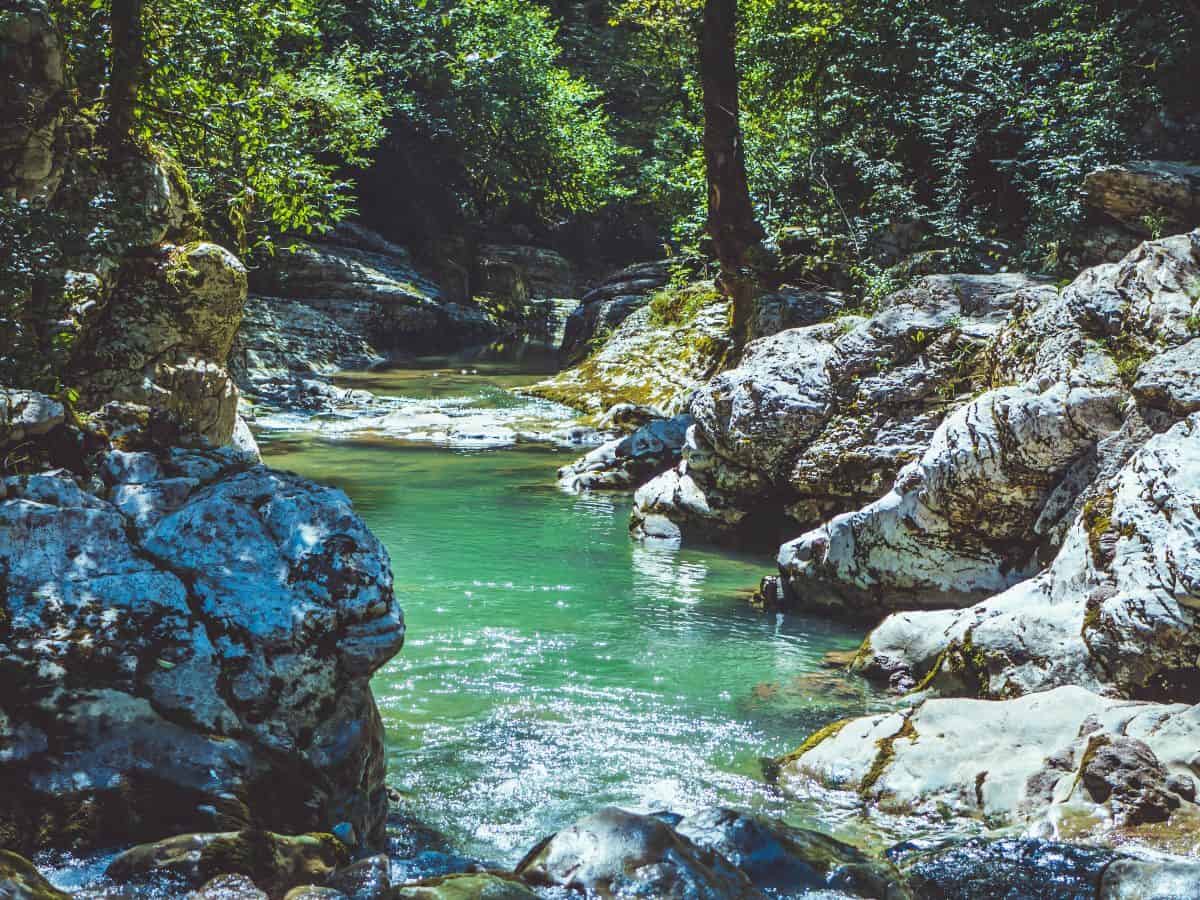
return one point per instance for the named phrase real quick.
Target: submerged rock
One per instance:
(188, 647)
(614, 852)
(1005, 869)
(790, 861)
(1139, 879)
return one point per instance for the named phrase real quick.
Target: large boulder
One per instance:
(817, 420)
(996, 490)
(1117, 609)
(1150, 198)
(20, 880)
(164, 336)
(619, 853)
(1067, 764)
(187, 642)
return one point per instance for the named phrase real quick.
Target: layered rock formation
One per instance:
(1053, 523)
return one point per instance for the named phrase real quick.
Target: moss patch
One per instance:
(817, 737)
(886, 753)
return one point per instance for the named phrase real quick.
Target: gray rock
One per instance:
(1171, 380)
(27, 414)
(1126, 569)
(818, 420)
(789, 861)
(628, 461)
(164, 337)
(1139, 879)
(366, 879)
(618, 853)
(1014, 762)
(791, 307)
(229, 887)
(223, 620)
(610, 303)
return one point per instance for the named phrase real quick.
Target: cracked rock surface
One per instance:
(187, 642)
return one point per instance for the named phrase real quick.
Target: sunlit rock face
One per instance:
(1001, 481)
(1066, 763)
(186, 641)
(817, 420)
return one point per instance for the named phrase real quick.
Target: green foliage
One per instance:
(978, 120)
(263, 102)
(680, 305)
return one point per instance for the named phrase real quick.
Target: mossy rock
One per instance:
(273, 862)
(483, 886)
(20, 880)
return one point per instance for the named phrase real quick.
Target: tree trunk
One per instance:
(731, 223)
(128, 51)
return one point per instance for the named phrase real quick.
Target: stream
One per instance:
(553, 665)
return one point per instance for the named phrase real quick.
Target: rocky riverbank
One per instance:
(1007, 470)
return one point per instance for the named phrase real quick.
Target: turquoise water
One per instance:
(553, 665)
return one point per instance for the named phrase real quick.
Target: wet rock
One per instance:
(1149, 198)
(366, 879)
(630, 460)
(485, 886)
(1005, 869)
(272, 862)
(615, 852)
(788, 860)
(313, 892)
(229, 887)
(1139, 879)
(20, 880)
(27, 414)
(224, 620)
(1064, 763)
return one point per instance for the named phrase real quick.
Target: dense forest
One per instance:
(961, 128)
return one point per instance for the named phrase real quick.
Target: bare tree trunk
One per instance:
(731, 223)
(128, 52)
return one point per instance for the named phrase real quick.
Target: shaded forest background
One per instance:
(961, 129)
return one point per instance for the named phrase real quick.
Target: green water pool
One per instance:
(553, 665)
